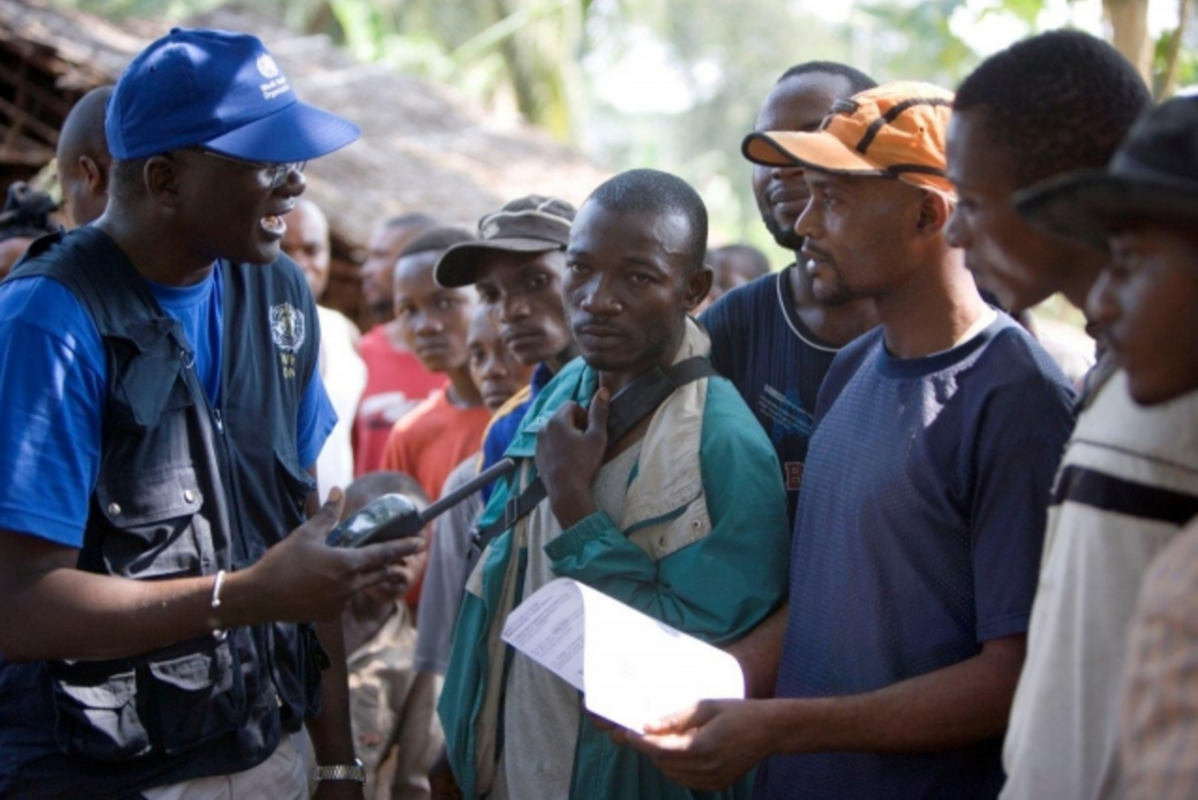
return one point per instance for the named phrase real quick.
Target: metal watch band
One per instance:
(343, 772)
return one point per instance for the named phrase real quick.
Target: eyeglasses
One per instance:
(274, 175)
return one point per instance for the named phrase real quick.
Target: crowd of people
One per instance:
(946, 567)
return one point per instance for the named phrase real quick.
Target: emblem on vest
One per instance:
(287, 331)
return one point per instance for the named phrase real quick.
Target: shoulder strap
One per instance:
(635, 401)
(641, 398)
(91, 265)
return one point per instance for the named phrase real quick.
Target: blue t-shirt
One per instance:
(53, 379)
(502, 429)
(918, 538)
(776, 363)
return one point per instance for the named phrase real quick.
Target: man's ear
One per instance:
(161, 178)
(935, 210)
(698, 284)
(96, 177)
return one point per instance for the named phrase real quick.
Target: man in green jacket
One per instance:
(683, 518)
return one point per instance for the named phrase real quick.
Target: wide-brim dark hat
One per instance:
(1152, 176)
(532, 224)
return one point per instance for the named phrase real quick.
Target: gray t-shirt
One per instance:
(445, 574)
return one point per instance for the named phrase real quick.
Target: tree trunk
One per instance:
(1129, 28)
(1169, 84)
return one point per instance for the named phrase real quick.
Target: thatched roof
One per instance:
(49, 59)
(424, 148)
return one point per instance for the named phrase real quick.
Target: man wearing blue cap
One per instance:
(157, 575)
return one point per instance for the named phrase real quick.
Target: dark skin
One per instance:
(378, 290)
(522, 291)
(101, 617)
(1020, 264)
(800, 103)
(370, 609)
(83, 159)
(730, 269)
(442, 784)
(495, 371)
(85, 187)
(717, 741)
(1147, 303)
(191, 211)
(331, 734)
(366, 615)
(883, 240)
(629, 285)
(307, 242)
(499, 375)
(432, 323)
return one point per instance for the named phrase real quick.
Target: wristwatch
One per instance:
(343, 772)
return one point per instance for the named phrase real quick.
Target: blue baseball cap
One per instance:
(223, 91)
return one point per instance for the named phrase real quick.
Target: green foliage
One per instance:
(1185, 70)
(116, 9)
(725, 56)
(1187, 67)
(546, 58)
(523, 49)
(916, 41)
(1027, 11)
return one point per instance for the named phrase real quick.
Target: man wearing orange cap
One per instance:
(918, 531)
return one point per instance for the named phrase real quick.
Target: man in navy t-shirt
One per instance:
(919, 529)
(772, 338)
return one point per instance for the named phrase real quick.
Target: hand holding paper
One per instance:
(632, 669)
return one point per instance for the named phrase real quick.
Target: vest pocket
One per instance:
(97, 717)
(146, 382)
(155, 529)
(197, 697)
(171, 701)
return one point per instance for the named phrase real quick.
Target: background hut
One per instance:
(424, 148)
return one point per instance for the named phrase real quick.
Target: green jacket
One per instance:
(721, 580)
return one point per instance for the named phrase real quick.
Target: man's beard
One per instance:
(835, 292)
(785, 237)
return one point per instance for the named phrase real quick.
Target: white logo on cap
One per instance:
(267, 66)
(276, 82)
(490, 229)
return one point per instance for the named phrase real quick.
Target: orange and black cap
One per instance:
(897, 130)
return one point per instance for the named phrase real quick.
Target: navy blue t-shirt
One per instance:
(918, 538)
(776, 363)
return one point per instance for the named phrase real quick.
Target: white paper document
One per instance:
(631, 668)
